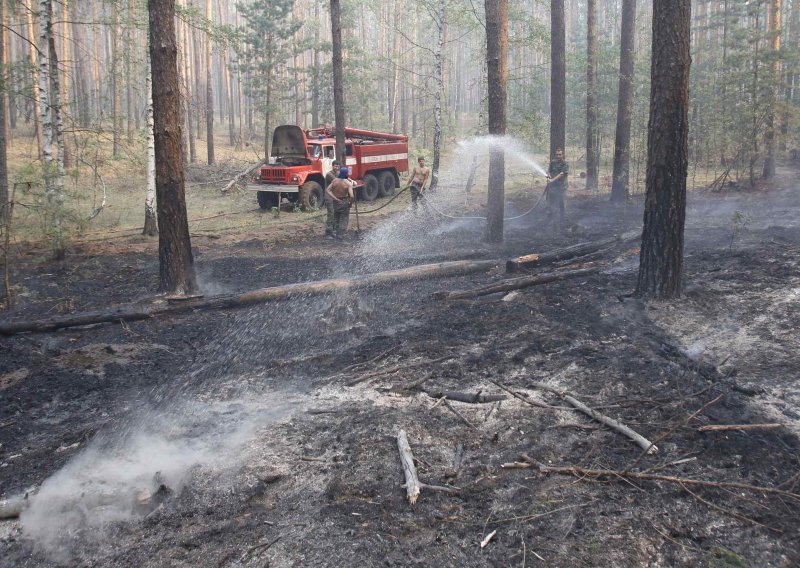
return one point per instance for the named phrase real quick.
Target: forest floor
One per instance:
(267, 435)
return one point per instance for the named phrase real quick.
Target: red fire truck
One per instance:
(300, 159)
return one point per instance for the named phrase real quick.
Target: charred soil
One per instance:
(267, 435)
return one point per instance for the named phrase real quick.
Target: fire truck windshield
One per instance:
(315, 150)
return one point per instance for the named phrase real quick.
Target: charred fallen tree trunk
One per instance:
(272, 294)
(570, 252)
(523, 282)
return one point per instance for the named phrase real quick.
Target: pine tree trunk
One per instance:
(4, 204)
(558, 77)
(497, 76)
(115, 103)
(209, 92)
(622, 142)
(150, 226)
(35, 67)
(338, 85)
(661, 257)
(65, 153)
(176, 274)
(437, 105)
(315, 74)
(592, 151)
(774, 28)
(188, 97)
(128, 74)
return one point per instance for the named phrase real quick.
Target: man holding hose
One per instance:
(340, 194)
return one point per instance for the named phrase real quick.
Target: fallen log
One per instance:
(729, 427)
(573, 251)
(407, 458)
(12, 507)
(582, 472)
(271, 294)
(524, 282)
(469, 398)
(640, 440)
(241, 175)
(457, 413)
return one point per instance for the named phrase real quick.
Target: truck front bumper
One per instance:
(272, 188)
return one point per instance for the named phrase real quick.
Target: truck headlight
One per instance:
(295, 179)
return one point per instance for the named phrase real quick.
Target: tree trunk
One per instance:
(35, 77)
(437, 108)
(558, 77)
(592, 150)
(315, 74)
(622, 141)
(176, 274)
(338, 85)
(150, 226)
(4, 197)
(55, 198)
(187, 93)
(136, 312)
(209, 91)
(65, 154)
(497, 76)
(661, 257)
(774, 29)
(116, 117)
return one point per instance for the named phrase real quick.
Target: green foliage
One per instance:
(269, 46)
(724, 558)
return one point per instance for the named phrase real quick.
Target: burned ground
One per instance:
(268, 452)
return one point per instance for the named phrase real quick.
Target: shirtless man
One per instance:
(340, 194)
(329, 177)
(419, 177)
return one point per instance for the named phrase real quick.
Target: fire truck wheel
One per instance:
(387, 184)
(267, 199)
(371, 187)
(311, 196)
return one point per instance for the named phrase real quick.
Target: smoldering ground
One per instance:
(319, 483)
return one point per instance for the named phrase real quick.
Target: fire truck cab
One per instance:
(300, 159)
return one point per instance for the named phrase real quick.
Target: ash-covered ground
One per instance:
(266, 436)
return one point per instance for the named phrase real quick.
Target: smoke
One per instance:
(121, 476)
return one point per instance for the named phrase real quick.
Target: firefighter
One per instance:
(340, 193)
(329, 177)
(419, 177)
(557, 174)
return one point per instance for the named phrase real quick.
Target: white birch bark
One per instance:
(53, 192)
(150, 225)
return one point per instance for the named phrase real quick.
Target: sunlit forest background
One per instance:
(251, 65)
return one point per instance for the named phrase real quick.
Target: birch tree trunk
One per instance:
(55, 198)
(150, 225)
(56, 109)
